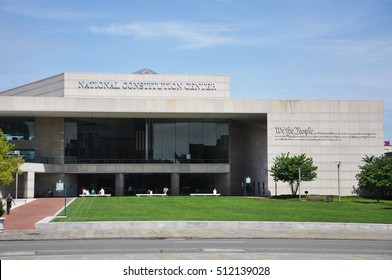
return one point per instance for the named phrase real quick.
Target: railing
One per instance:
(144, 161)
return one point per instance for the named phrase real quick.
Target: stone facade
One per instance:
(329, 131)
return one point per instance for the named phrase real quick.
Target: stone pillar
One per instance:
(30, 184)
(175, 184)
(119, 182)
(49, 139)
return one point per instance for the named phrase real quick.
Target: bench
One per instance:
(154, 194)
(319, 198)
(205, 194)
(94, 195)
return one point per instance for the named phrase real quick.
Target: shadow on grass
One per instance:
(285, 197)
(369, 202)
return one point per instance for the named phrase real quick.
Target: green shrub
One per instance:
(2, 211)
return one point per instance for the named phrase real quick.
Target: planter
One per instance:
(2, 224)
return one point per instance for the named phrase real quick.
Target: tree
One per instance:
(2, 211)
(376, 176)
(9, 164)
(286, 169)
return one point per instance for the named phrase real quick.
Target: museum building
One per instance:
(129, 133)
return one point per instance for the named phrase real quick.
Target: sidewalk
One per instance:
(27, 212)
(20, 223)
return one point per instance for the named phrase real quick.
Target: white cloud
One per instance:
(188, 35)
(362, 49)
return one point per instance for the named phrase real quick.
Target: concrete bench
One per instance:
(94, 195)
(205, 194)
(154, 194)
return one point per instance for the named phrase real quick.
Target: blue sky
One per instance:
(271, 49)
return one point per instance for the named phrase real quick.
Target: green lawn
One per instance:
(226, 208)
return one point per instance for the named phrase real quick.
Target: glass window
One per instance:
(209, 133)
(104, 140)
(157, 136)
(140, 139)
(19, 128)
(113, 140)
(196, 140)
(222, 141)
(28, 155)
(168, 140)
(209, 141)
(100, 144)
(182, 141)
(71, 140)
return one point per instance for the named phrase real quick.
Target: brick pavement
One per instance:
(26, 215)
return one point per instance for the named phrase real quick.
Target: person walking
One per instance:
(9, 201)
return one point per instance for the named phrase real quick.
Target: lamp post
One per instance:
(16, 185)
(338, 166)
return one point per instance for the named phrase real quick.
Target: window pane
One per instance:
(157, 147)
(196, 140)
(168, 141)
(22, 128)
(182, 141)
(104, 140)
(71, 140)
(209, 141)
(222, 133)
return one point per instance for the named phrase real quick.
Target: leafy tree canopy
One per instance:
(286, 169)
(9, 164)
(376, 176)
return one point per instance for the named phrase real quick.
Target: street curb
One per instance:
(45, 224)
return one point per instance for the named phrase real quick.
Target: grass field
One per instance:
(226, 208)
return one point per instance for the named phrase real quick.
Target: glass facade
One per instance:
(102, 140)
(28, 155)
(18, 128)
(191, 141)
(120, 140)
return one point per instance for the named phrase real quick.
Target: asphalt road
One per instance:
(155, 249)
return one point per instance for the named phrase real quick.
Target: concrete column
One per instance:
(175, 184)
(119, 184)
(30, 184)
